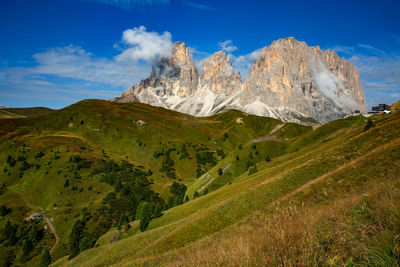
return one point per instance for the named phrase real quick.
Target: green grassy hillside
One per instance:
(309, 206)
(231, 188)
(23, 112)
(51, 162)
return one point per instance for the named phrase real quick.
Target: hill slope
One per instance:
(320, 204)
(217, 187)
(60, 162)
(23, 112)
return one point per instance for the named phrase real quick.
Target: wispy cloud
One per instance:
(71, 73)
(130, 4)
(198, 57)
(75, 63)
(227, 46)
(379, 72)
(197, 5)
(372, 50)
(244, 63)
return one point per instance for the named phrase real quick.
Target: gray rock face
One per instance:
(218, 75)
(313, 82)
(289, 81)
(170, 77)
(217, 82)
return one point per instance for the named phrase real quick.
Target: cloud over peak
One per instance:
(227, 46)
(143, 45)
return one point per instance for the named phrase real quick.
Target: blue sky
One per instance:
(56, 52)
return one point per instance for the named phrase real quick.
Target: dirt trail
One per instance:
(53, 231)
(66, 135)
(269, 137)
(266, 138)
(322, 177)
(277, 128)
(13, 114)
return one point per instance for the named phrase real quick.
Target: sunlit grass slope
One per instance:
(327, 196)
(43, 143)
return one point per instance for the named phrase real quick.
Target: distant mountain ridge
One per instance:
(290, 81)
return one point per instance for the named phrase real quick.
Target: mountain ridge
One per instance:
(289, 81)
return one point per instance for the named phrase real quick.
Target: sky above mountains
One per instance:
(56, 52)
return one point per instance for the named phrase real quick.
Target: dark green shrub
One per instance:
(370, 124)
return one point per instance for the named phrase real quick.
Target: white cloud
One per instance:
(372, 50)
(71, 73)
(144, 45)
(379, 72)
(197, 5)
(380, 78)
(243, 63)
(227, 46)
(140, 49)
(347, 50)
(198, 57)
(75, 63)
(329, 84)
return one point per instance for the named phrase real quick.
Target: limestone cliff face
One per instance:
(316, 83)
(218, 75)
(217, 81)
(170, 77)
(289, 81)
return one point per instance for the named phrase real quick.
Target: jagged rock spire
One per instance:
(289, 80)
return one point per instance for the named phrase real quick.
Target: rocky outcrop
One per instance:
(289, 81)
(217, 82)
(316, 83)
(170, 77)
(218, 75)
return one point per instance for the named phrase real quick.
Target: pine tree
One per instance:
(46, 259)
(27, 247)
(144, 214)
(34, 235)
(85, 243)
(75, 238)
(122, 220)
(370, 124)
(8, 229)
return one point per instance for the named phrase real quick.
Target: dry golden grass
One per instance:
(337, 232)
(395, 107)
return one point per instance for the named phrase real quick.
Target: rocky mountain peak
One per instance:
(314, 82)
(218, 74)
(180, 54)
(290, 81)
(174, 76)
